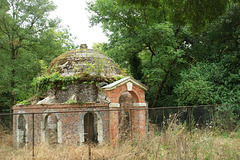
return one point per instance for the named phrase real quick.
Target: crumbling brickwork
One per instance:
(68, 121)
(69, 117)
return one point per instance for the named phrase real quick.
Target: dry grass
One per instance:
(175, 143)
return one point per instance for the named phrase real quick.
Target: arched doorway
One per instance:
(125, 115)
(90, 128)
(21, 131)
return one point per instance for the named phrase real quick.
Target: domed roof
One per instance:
(85, 62)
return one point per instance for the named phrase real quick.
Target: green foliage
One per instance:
(24, 102)
(165, 45)
(99, 47)
(219, 70)
(43, 67)
(227, 116)
(91, 68)
(202, 84)
(4, 102)
(136, 66)
(71, 102)
(118, 77)
(29, 40)
(195, 87)
(54, 80)
(141, 40)
(220, 54)
(194, 13)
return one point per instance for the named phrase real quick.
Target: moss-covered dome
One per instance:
(85, 62)
(76, 77)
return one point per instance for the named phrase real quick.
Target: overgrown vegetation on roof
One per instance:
(86, 66)
(57, 81)
(85, 62)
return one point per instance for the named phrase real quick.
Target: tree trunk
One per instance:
(159, 90)
(167, 72)
(12, 101)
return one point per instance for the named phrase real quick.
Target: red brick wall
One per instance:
(70, 121)
(138, 117)
(113, 126)
(137, 93)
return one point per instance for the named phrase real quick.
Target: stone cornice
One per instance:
(59, 106)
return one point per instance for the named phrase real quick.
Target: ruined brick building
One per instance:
(98, 103)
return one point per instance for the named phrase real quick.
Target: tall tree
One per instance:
(194, 13)
(142, 40)
(159, 33)
(218, 67)
(25, 32)
(215, 78)
(182, 63)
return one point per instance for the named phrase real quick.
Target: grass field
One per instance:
(174, 143)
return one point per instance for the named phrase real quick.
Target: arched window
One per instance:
(21, 130)
(51, 128)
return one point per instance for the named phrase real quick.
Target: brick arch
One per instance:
(126, 97)
(135, 95)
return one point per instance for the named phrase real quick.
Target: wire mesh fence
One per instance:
(33, 129)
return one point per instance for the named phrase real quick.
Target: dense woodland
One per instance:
(29, 40)
(187, 52)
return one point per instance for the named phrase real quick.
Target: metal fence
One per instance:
(224, 116)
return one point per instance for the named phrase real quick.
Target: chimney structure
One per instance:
(83, 46)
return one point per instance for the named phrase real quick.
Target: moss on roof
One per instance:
(85, 62)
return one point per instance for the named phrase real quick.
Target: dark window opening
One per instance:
(90, 128)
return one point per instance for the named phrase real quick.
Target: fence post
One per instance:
(163, 115)
(189, 120)
(33, 136)
(131, 123)
(229, 118)
(212, 119)
(89, 152)
(163, 122)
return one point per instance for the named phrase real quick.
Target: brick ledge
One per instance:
(60, 105)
